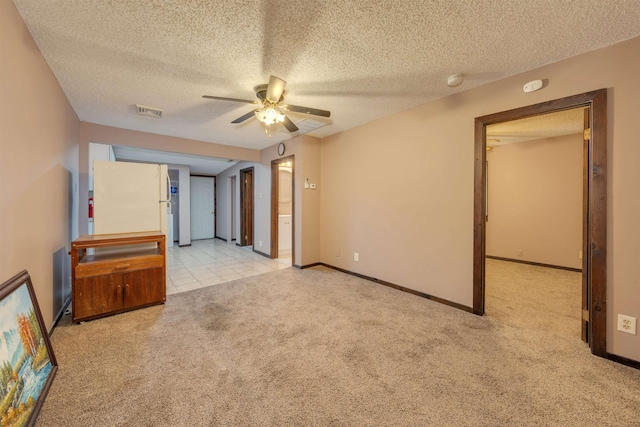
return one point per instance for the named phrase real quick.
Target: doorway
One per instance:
(231, 212)
(246, 207)
(283, 210)
(594, 207)
(534, 222)
(202, 207)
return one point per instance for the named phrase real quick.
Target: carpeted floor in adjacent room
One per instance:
(319, 347)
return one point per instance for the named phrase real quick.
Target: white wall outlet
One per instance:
(356, 256)
(627, 324)
(580, 255)
(338, 252)
(260, 243)
(520, 253)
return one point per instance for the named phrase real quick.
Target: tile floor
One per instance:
(213, 261)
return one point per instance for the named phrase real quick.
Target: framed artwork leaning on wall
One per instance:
(27, 363)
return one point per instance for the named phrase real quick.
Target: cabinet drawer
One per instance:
(118, 265)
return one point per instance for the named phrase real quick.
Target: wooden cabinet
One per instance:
(128, 271)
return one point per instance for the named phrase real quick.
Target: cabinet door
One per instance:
(144, 287)
(97, 295)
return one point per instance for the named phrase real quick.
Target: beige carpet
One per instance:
(318, 347)
(531, 297)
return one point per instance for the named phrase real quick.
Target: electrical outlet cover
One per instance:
(627, 324)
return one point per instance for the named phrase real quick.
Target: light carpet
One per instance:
(319, 347)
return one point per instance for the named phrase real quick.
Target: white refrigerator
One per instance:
(129, 197)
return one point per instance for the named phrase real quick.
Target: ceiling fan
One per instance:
(272, 112)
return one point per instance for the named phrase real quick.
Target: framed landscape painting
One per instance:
(27, 363)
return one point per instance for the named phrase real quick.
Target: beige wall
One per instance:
(535, 201)
(399, 190)
(306, 152)
(38, 167)
(260, 174)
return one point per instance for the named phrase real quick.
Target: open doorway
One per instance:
(282, 210)
(534, 238)
(594, 212)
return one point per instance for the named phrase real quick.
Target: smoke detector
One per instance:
(149, 111)
(455, 80)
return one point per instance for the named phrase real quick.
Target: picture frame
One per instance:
(27, 362)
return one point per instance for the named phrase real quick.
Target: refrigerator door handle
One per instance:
(168, 195)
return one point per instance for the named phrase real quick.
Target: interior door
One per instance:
(246, 207)
(202, 207)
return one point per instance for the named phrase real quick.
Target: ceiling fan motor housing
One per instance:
(261, 93)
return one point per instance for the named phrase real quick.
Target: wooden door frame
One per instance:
(595, 217)
(275, 191)
(245, 211)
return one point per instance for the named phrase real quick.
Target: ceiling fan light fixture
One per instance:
(269, 115)
(271, 112)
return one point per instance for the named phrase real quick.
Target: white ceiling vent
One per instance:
(148, 111)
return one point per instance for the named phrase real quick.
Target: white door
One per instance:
(202, 207)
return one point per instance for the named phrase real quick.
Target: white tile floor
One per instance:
(213, 261)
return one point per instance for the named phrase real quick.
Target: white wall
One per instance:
(535, 201)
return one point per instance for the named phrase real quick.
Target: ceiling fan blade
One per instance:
(230, 99)
(307, 110)
(245, 117)
(291, 127)
(275, 89)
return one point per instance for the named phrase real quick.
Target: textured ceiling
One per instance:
(360, 59)
(560, 123)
